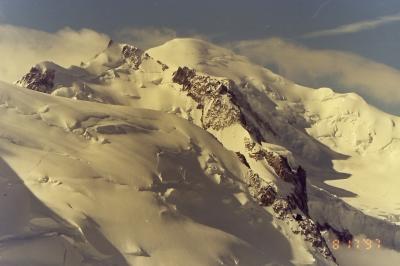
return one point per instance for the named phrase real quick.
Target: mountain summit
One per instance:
(188, 154)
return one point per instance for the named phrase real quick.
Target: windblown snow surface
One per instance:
(173, 157)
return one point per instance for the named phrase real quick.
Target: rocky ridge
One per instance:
(38, 79)
(207, 90)
(290, 208)
(214, 98)
(222, 106)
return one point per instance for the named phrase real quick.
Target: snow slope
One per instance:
(354, 147)
(347, 147)
(94, 184)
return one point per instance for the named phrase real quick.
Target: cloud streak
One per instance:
(379, 83)
(324, 4)
(355, 27)
(145, 38)
(149, 37)
(21, 48)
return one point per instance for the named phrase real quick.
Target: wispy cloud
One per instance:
(379, 83)
(21, 48)
(149, 37)
(146, 37)
(355, 27)
(324, 4)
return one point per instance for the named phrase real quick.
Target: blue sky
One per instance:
(223, 19)
(369, 29)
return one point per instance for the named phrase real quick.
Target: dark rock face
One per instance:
(133, 55)
(38, 80)
(183, 76)
(283, 170)
(225, 102)
(291, 208)
(311, 233)
(297, 178)
(110, 43)
(282, 208)
(242, 159)
(265, 193)
(219, 112)
(213, 97)
(163, 66)
(303, 225)
(343, 236)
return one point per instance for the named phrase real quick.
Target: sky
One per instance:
(349, 45)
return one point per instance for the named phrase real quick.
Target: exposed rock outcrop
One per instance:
(285, 210)
(284, 171)
(222, 105)
(38, 79)
(291, 208)
(221, 102)
(265, 193)
(243, 159)
(133, 55)
(213, 96)
(297, 178)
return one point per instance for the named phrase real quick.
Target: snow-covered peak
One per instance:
(116, 55)
(188, 52)
(273, 124)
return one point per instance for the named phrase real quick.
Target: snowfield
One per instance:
(93, 184)
(187, 154)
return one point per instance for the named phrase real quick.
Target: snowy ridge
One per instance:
(208, 92)
(351, 132)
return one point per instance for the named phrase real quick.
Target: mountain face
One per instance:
(187, 154)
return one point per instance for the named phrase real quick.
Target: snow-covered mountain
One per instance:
(188, 154)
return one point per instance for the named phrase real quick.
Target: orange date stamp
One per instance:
(357, 243)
